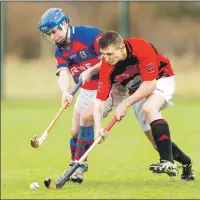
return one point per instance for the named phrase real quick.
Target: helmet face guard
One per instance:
(47, 35)
(52, 19)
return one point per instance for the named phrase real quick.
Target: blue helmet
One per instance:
(52, 19)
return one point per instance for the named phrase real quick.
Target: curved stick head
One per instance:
(34, 142)
(48, 184)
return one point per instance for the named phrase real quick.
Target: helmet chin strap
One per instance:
(64, 42)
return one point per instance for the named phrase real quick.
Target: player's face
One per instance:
(113, 54)
(57, 35)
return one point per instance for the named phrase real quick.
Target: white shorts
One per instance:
(84, 99)
(165, 87)
(87, 97)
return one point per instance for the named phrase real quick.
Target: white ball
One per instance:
(34, 186)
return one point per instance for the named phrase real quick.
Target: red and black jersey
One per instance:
(143, 63)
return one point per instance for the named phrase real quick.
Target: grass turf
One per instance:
(118, 168)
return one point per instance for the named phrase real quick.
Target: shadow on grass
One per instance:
(129, 184)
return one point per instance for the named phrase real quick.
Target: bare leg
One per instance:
(161, 134)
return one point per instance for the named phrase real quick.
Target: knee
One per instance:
(74, 132)
(86, 115)
(86, 118)
(147, 109)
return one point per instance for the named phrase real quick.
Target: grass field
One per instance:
(118, 168)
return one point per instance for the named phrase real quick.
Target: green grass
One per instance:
(118, 168)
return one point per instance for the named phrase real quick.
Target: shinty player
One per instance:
(136, 64)
(76, 53)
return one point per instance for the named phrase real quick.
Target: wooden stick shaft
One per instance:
(56, 117)
(63, 108)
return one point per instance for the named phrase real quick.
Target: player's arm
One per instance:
(98, 117)
(145, 89)
(98, 113)
(64, 81)
(95, 69)
(63, 78)
(148, 67)
(87, 74)
(104, 87)
(64, 84)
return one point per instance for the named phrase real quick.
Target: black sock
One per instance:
(161, 135)
(180, 156)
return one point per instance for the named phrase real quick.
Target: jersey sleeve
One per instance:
(96, 46)
(94, 34)
(147, 59)
(104, 84)
(61, 62)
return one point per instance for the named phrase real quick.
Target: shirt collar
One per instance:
(71, 32)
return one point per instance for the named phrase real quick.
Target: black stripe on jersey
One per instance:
(154, 48)
(162, 64)
(129, 48)
(162, 74)
(111, 78)
(121, 66)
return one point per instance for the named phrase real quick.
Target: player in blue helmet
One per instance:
(76, 53)
(50, 21)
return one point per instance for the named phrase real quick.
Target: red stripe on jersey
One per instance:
(60, 60)
(128, 73)
(104, 84)
(76, 47)
(78, 68)
(96, 46)
(91, 85)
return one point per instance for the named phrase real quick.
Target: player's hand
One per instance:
(121, 111)
(67, 97)
(85, 76)
(100, 133)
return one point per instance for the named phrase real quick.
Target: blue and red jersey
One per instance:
(82, 54)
